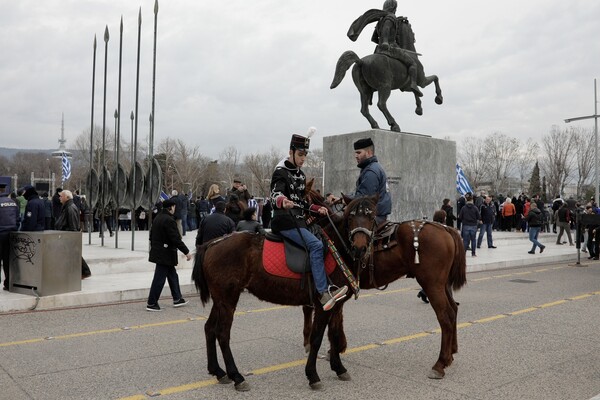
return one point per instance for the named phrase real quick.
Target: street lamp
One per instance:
(595, 116)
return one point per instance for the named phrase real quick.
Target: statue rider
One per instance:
(385, 35)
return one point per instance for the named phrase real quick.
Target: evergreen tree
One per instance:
(535, 186)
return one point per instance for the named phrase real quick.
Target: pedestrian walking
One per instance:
(165, 240)
(534, 219)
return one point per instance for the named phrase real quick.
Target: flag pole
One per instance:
(91, 215)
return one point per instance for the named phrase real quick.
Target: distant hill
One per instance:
(9, 153)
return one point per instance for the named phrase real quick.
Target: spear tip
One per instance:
(150, 117)
(116, 113)
(94, 40)
(121, 23)
(132, 116)
(140, 16)
(106, 36)
(155, 7)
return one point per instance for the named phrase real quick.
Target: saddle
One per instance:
(385, 236)
(286, 259)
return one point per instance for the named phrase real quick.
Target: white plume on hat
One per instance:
(311, 131)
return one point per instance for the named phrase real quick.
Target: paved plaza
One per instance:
(120, 274)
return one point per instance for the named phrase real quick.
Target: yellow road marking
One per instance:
(490, 319)
(523, 311)
(554, 303)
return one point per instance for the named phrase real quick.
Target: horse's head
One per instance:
(360, 221)
(405, 37)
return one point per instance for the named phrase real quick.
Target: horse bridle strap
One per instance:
(367, 232)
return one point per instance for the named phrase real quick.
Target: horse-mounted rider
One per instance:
(288, 187)
(387, 36)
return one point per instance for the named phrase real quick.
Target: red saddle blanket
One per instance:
(274, 261)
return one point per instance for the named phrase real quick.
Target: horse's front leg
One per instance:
(337, 340)
(316, 338)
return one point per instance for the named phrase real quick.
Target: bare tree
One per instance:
(261, 167)
(584, 154)
(313, 168)
(502, 152)
(526, 159)
(557, 163)
(229, 160)
(473, 159)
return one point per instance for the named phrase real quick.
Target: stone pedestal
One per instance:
(421, 170)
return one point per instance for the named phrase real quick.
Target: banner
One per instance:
(66, 168)
(462, 185)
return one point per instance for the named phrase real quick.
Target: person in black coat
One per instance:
(165, 240)
(249, 223)
(215, 225)
(35, 211)
(68, 220)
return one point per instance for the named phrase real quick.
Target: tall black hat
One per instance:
(299, 142)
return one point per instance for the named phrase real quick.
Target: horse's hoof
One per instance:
(316, 385)
(224, 380)
(307, 348)
(433, 374)
(344, 377)
(243, 386)
(439, 99)
(419, 111)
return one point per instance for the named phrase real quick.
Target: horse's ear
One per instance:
(347, 199)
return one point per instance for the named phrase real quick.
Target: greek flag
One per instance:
(66, 168)
(462, 185)
(163, 196)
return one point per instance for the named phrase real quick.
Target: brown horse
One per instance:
(439, 267)
(225, 267)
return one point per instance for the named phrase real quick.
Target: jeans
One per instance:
(468, 233)
(315, 250)
(184, 225)
(487, 229)
(534, 231)
(162, 273)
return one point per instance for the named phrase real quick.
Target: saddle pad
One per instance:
(274, 261)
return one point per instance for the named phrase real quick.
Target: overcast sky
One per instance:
(250, 73)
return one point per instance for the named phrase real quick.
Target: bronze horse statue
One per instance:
(382, 73)
(221, 273)
(439, 268)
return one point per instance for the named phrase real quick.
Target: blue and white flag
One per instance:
(66, 168)
(163, 196)
(462, 185)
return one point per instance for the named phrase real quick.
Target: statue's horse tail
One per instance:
(346, 60)
(198, 275)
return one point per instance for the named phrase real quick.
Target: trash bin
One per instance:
(48, 262)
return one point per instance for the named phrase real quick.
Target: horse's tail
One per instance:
(198, 275)
(345, 61)
(458, 271)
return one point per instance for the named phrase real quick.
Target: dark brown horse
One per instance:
(225, 267)
(439, 268)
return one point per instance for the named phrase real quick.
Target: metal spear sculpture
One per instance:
(90, 203)
(137, 96)
(118, 135)
(152, 117)
(102, 157)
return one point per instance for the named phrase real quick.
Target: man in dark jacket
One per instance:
(372, 179)
(215, 225)
(35, 211)
(56, 206)
(488, 215)
(535, 218)
(164, 242)
(9, 222)
(470, 217)
(68, 220)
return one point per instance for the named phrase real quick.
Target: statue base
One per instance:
(421, 170)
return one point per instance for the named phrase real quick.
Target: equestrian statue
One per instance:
(393, 65)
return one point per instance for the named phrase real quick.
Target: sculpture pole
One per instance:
(91, 214)
(137, 96)
(102, 157)
(152, 116)
(118, 136)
